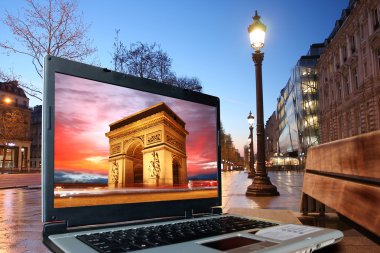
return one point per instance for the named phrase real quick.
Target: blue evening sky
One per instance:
(205, 39)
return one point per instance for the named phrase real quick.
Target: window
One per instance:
(355, 77)
(378, 59)
(336, 58)
(349, 125)
(353, 45)
(348, 87)
(344, 53)
(365, 69)
(375, 17)
(339, 90)
(362, 28)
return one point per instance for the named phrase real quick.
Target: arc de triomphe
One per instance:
(148, 148)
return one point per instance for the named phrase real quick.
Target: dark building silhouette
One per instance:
(36, 130)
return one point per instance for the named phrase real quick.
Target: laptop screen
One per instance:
(117, 145)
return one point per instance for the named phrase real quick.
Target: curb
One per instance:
(21, 186)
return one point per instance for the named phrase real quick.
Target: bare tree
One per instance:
(149, 61)
(54, 28)
(192, 83)
(142, 60)
(229, 153)
(117, 55)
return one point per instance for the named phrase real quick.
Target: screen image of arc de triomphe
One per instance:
(148, 148)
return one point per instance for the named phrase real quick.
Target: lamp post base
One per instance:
(261, 186)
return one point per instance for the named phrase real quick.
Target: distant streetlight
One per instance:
(261, 185)
(7, 100)
(251, 173)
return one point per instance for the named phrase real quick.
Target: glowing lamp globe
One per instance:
(250, 119)
(257, 33)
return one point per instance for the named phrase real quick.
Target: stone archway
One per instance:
(138, 174)
(148, 148)
(134, 155)
(176, 167)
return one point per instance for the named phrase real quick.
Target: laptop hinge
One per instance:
(188, 213)
(216, 210)
(55, 227)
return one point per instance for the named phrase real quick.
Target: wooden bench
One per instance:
(345, 175)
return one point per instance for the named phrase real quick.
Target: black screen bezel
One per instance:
(88, 215)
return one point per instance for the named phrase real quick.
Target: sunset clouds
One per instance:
(84, 109)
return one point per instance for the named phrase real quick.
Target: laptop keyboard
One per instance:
(127, 240)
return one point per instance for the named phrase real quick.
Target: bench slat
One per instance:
(356, 201)
(358, 156)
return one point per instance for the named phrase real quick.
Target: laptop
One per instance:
(133, 165)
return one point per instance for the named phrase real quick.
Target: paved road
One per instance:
(20, 208)
(19, 180)
(20, 221)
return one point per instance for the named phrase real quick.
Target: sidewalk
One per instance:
(289, 185)
(19, 180)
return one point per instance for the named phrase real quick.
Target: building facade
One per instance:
(36, 130)
(349, 73)
(271, 136)
(297, 108)
(15, 139)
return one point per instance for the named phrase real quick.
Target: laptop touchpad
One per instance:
(237, 242)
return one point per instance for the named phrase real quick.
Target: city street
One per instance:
(20, 212)
(144, 113)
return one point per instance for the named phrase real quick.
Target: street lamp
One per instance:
(251, 173)
(7, 100)
(261, 185)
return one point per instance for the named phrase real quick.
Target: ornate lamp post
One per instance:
(251, 173)
(261, 185)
